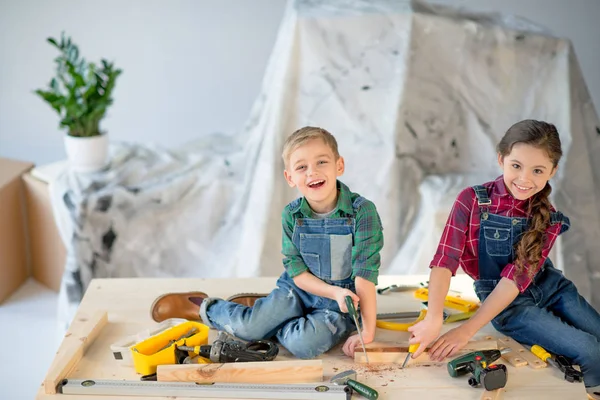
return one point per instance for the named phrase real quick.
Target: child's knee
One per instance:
(247, 331)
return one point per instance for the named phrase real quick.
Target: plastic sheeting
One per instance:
(416, 96)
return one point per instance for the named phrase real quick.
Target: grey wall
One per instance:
(191, 67)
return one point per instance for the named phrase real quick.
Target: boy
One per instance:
(331, 243)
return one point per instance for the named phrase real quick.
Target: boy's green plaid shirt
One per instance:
(368, 235)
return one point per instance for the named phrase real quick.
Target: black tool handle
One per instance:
(363, 389)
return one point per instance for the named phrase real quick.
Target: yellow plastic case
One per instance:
(146, 355)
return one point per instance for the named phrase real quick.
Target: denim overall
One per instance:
(307, 325)
(550, 312)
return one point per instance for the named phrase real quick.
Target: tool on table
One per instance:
(318, 391)
(454, 302)
(349, 378)
(491, 377)
(384, 323)
(560, 362)
(354, 315)
(186, 335)
(400, 288)
(411, 350)
(121, 349)
(161, 349)
(226, 348)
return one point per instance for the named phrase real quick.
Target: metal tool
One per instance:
(560, 362)
(491, 377)
(398, 315)
(120, 388)
(186, 335)
(349, 378)
(354, 315)
(400, 288)
(226, 348)
(411, 350)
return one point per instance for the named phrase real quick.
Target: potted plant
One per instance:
(80, 93)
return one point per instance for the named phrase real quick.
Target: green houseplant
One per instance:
(81, 93)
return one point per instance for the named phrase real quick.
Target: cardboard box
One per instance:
(47, 252)
(14, 263)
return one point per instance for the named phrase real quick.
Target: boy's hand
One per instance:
(424, 332)
(354, 341)
(449, 343)
(340, 297)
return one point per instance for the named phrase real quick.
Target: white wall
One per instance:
(191, 67)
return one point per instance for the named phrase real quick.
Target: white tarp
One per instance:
(417, 98)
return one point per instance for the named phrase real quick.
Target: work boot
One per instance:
(177, 305)
(246, 299)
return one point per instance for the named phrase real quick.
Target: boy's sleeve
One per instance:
(292, 261)
(368, 242)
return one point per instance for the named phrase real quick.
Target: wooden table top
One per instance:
(127, 302)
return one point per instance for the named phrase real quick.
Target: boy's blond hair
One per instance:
(303, 135)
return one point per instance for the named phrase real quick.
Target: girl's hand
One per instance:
(449, 343)
(424, 332)
(340, 297)
(354, 341)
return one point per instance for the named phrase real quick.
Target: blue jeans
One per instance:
(552, 314)
(305, 324)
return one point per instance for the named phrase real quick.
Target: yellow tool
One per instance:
(399, 326)
(457, 303)
(160, 349)
(411, 350)
(560, 362)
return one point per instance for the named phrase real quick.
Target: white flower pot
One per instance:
(87, 154)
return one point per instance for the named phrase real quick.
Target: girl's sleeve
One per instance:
(454, 237)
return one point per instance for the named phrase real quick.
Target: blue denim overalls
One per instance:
(550, 312)
(307, 325)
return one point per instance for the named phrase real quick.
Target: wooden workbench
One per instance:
(128, 301)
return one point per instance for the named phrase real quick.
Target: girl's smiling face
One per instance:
(527, 169)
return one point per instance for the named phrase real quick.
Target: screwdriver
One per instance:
(411, 350)
(354, 315)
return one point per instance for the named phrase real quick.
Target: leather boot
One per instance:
(177, 305)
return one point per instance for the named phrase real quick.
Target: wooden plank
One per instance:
(492, 395)
(384, 353)
(519, 355)
(297, 371)
(79, 337)
(387, 347)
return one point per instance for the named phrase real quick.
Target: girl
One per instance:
(501, 233)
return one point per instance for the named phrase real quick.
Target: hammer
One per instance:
(349, 378)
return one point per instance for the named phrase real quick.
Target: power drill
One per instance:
(226, 348)
(477, 363)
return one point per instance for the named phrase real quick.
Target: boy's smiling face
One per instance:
(313, 169)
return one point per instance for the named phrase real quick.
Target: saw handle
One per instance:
(363, 389)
